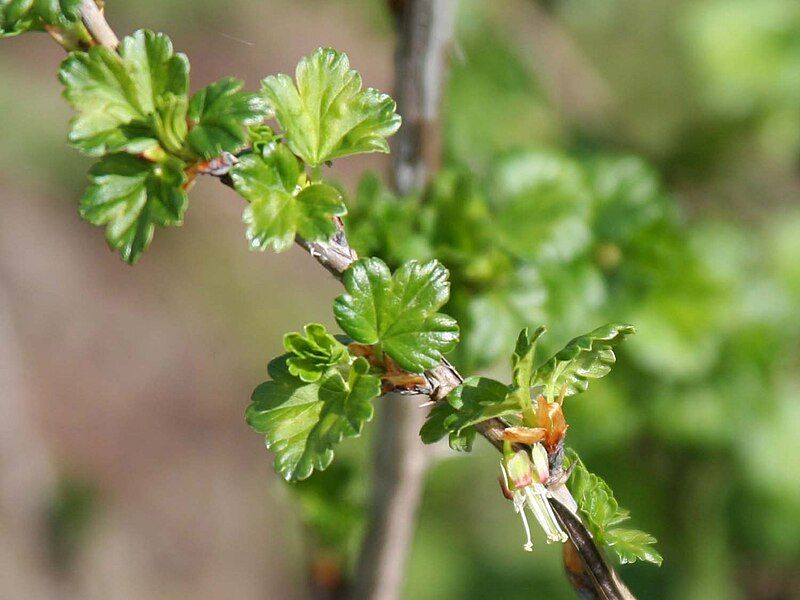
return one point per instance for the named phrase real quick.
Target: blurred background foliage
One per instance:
(624, 160)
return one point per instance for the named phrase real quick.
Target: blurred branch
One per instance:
(425, 31)
(426, 27)
(572, 82)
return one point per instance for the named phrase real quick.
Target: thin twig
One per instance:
(336, 256)
(97, 26)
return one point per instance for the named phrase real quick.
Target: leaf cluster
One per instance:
(568, 372)
(134, 111)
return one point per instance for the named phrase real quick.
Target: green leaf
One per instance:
(542, 206)
(398, 311)
(115, 94)
(220, 114)
(303, 422)
(476, 400)
(314, 354)
(600, 512)
(331, 506)
(522, 360)
(522, 369)
(280, 207)
(627, 198)
(381, 224)
(169, 122)
(131, 196)
(327, 115)
(631, 545)
(19, 16)
(589, 356)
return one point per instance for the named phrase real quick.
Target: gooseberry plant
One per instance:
(152, 139)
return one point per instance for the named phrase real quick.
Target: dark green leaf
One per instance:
(589, 356)
(280, 206)
(220, 114)
(476, 400)
(131, 196)
(398, 311)
(314, 354)
(327, 115)
(304, 421)
(116, 94)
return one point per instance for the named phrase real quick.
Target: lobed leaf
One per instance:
(303, 422)
(131, 196)
(600, 512)
(281, 205)
(398, 311)
(220, 114)
(326, 114)
(314, 354)
(586, 357)
(116, 94)
(631, 545)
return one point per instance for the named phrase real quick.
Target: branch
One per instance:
(422, 46)
(425, 30)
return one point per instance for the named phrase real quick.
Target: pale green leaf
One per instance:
(281, 206)
(115, 94)
(326, 114)
(313, 354)
(631, 545)
(600, 512)
(586, 357)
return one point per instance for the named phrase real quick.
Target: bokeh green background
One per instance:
(126, 470)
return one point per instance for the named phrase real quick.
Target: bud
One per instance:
(520, 470)
(541, 464)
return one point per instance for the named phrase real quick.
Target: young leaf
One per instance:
(131, 196)
(434, 429)
(280, 207)
(314, 354)
(327, 115)
(589, 356)
(19, 16)
(631, 545)
(220, 114)
(600, 512)
(116, 93)
(522, 360)
(304, 421)
(475, 400)
(398, 311)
